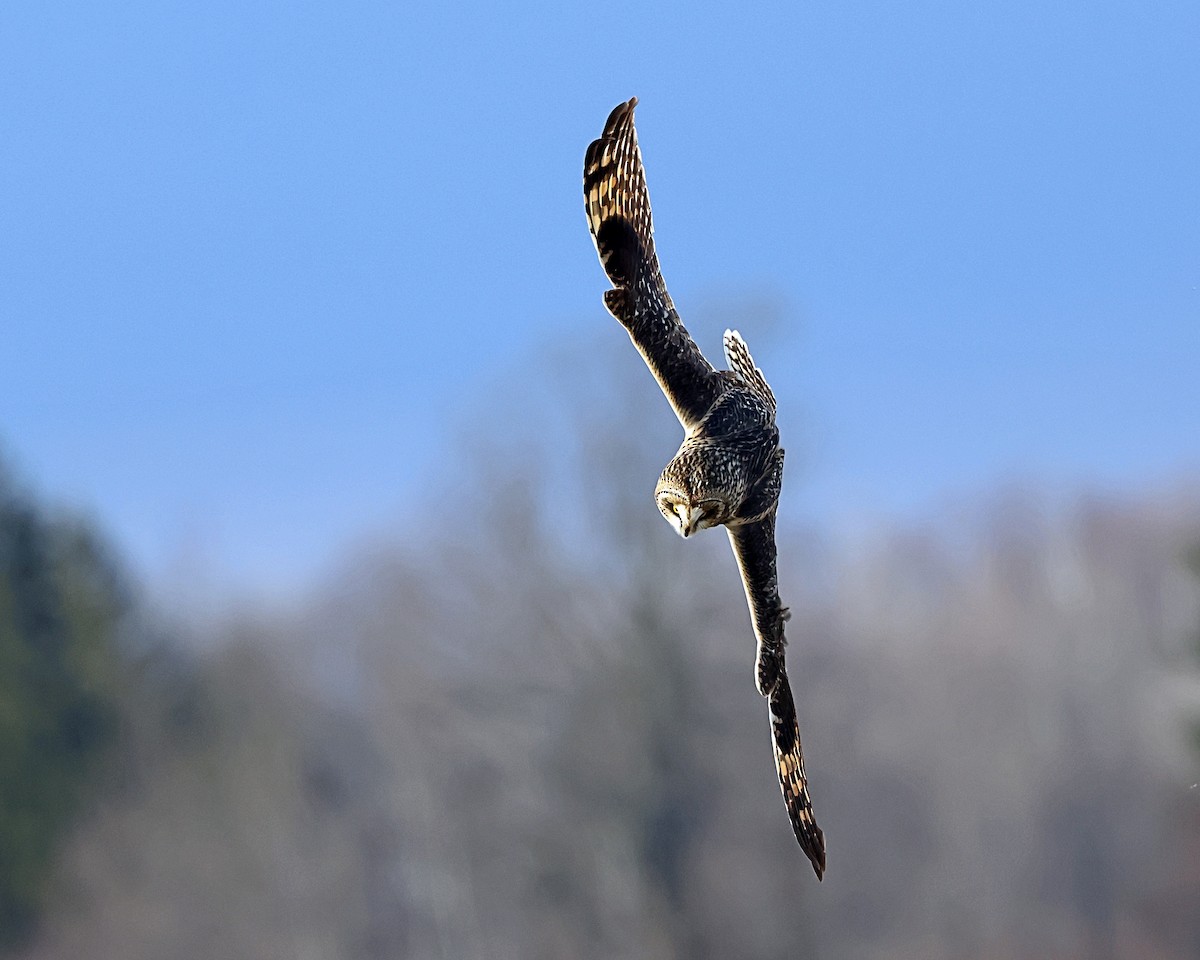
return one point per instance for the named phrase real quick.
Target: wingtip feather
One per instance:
(620, 112)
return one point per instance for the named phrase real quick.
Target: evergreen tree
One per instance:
(61, 603)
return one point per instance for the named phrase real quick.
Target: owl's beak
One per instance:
(688, 518)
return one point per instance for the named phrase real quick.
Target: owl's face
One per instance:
(687, 515)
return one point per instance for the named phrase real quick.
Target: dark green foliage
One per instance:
(60, 604)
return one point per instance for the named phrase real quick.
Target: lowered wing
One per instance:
(754, 547)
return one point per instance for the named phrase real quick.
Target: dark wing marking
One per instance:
(754, 547)
(618, 212)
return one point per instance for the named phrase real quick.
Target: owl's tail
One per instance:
(789, 759)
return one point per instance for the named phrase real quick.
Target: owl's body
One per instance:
(729, 469)
(724, 460)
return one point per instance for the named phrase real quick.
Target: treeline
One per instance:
(531, 730)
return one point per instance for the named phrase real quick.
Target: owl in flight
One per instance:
(729, 469)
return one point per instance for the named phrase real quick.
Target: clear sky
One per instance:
(256, 259)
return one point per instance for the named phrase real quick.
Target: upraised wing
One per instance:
(618, 212)
(754, 547)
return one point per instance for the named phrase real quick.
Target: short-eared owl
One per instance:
(730, 467)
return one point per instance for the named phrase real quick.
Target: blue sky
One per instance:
(258, 259)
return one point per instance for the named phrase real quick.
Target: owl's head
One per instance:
(686, 514)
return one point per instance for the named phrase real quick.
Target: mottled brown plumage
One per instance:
(729, 469)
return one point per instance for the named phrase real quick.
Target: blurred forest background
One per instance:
(527, 727)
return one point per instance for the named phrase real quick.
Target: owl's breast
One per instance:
(724, 467)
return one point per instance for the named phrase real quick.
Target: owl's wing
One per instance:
(618, 212)
(754, 547)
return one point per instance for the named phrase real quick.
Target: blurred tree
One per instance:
(61, 601)
(1191, 560)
